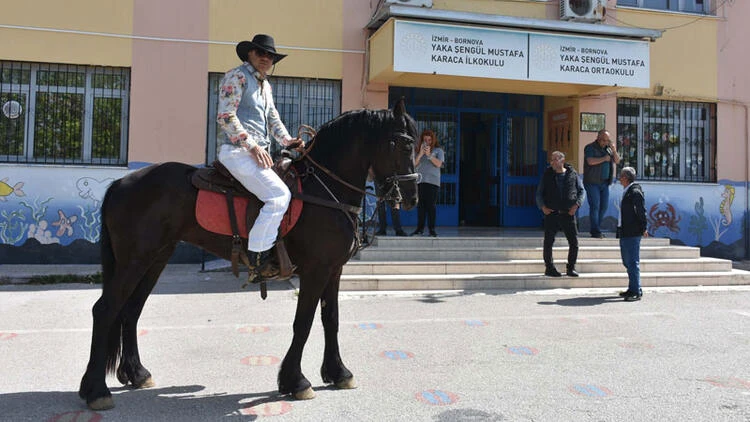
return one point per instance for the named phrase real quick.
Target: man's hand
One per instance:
(296, 144)
(546, 210)
(261, 156)
(573, 209)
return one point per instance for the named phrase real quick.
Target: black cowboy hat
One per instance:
(260, 42)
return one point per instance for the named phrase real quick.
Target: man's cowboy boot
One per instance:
(261, 264)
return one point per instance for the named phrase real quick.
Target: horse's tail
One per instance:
(108, 271)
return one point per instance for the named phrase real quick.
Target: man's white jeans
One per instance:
(267, 186)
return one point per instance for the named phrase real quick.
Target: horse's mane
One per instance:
(352, 126)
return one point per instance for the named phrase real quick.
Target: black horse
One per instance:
(146, 213)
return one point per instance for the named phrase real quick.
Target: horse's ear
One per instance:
(399, 109)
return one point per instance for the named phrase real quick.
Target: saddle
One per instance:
(236, 213)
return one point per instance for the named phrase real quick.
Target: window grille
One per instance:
(63, 114)
(299, 101)
(667, 140)
(686, 6)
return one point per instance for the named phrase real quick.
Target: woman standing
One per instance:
(428, 161)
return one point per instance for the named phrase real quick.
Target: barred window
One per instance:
(687, 6)
(63, 114)
(299, 101)
(667, 140)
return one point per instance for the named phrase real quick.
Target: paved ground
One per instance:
(583, 355)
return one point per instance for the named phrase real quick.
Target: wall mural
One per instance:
(711, 216)
(52, 214)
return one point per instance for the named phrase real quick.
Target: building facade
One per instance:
(92, 90)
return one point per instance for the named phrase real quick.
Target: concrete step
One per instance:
(533, 266)
(390, 242)
(537, 281)
(516, 253)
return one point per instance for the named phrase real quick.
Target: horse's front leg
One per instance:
(333, 369)
(291, 380)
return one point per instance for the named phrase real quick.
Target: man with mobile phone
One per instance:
(599, 166)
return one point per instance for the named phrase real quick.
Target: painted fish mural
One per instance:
(90, 188)
(6, 189)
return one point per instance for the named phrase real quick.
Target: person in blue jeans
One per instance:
(599, 166)
(631, 227)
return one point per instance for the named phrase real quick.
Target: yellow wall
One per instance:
(105, 16)
(527, 8)
(684, 59)
(295, 23)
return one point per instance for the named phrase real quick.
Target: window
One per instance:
(63, 114)
(667, 140)
(688, 6)
(299, 101)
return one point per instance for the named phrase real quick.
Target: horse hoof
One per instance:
(347, 384)
(102, 403)
(122, 377)
(147, 383)
(306, 394)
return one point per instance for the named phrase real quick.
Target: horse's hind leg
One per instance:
(131, 370)
(105, 337)
(333, 369)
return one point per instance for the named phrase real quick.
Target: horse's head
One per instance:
(393, 164)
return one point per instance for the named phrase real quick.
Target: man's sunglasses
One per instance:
(263, 53)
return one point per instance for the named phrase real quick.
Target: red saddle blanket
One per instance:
(213, 215)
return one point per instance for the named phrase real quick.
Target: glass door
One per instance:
(517, 165)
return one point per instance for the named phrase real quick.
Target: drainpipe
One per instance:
(747, 187)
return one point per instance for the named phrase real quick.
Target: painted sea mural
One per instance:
(51, 215)
(710, 216)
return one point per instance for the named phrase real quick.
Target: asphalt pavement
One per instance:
(680, 354)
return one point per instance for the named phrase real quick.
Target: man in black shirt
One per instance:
(559, 195)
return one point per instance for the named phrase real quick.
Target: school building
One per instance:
(93, 89)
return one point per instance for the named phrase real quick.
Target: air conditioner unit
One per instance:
(583, 10)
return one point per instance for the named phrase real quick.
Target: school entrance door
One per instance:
(500, 159)
(493, 155)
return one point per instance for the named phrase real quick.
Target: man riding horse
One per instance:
(248, 117)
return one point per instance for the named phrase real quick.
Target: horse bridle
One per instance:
(393, 194)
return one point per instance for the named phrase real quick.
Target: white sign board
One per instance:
(503, 54)
(585, 60)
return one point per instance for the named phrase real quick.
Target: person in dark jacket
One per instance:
(559, 195)
(599, 166)
(631, 227)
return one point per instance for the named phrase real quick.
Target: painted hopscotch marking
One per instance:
(369, 326)
(267, 409)
(437, 397)
(590, 390)
(254, 329)
(263, 360)
(396, 354)
(79, 416)
(522, 350)
(475, 323)
(728, 382)
(7, 336)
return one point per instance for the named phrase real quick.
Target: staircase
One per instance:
(513, 260)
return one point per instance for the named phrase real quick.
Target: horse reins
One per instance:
(351, 209)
